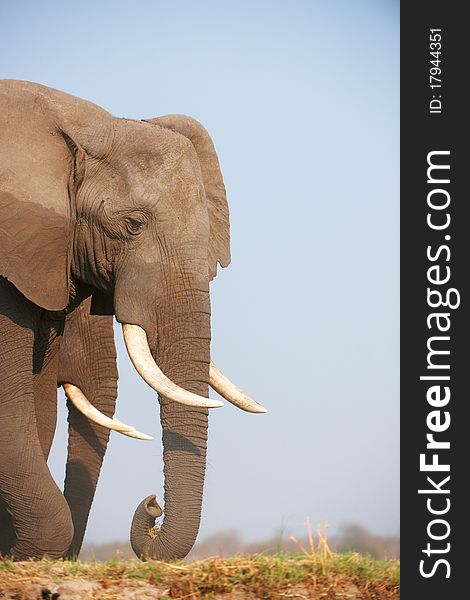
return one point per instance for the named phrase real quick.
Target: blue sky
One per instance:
(302, 101)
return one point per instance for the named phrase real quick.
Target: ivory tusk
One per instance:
(82, 404)
(138, 349)
(133, 433)
(228, 390)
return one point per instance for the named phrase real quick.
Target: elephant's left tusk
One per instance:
(82, 404)
(228, 390)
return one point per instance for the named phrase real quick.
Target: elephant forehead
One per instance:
(142, 151)
(178, 179)
(171, 197)
(148, 147)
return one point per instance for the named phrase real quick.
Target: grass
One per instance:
(313, 572)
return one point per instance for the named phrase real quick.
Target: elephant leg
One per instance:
(7, 532)
(45, 367)
(40, 515)
(45, 364)
(87, 360)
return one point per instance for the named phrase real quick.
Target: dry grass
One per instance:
(315, 572)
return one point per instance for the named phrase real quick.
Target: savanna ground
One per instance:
(346, 576)
(316, 573)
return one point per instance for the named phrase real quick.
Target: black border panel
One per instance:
(435, 269)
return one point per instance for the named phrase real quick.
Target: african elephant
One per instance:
(103, 216)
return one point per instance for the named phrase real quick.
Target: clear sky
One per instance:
(302, 101)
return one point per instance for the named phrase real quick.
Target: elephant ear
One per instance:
(42, 163)
(219, 241)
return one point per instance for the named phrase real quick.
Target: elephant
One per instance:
(101, 218)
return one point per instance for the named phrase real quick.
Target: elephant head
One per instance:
(134, 214)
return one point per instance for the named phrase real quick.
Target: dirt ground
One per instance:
(95, 590)
(326, 576)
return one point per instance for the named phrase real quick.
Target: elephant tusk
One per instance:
(132, 432)
(138, 349)
(82, 404)
(228, 390)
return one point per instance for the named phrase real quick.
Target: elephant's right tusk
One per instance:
(228, 390)
(138, 349)
(82, 404)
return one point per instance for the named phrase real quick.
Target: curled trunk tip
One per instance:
(143, 526)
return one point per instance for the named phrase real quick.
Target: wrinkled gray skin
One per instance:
(105, 216)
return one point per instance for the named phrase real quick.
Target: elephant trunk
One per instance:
(184, 468)
(183, 352)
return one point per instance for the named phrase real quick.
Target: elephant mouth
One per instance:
(138, 349)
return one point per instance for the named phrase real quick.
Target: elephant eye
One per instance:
(134, 226)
